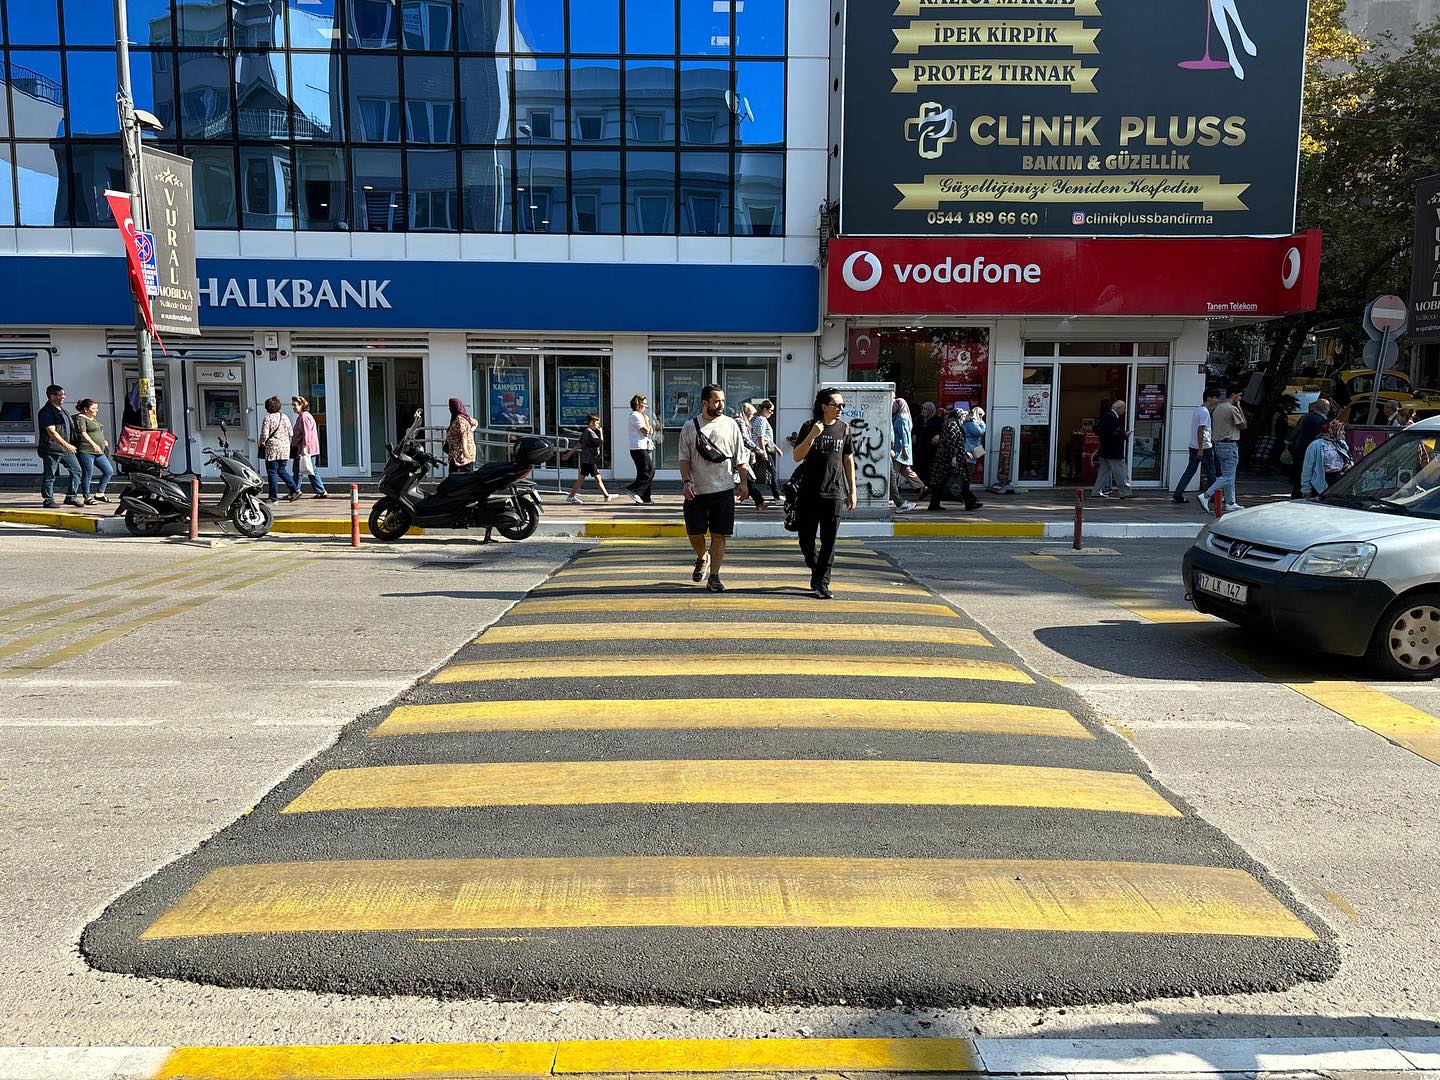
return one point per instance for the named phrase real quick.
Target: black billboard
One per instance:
(170, 213)
(1425, 278)
(1071, 117)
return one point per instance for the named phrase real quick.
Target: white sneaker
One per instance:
(573, 499)
(611, 497)
(905, 508)
(636, 499)
(1233, 506)
(1200, 498)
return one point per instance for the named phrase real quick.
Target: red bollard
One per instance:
(195, 509)
(354, 515)
(1079, 516)
(1219, 504)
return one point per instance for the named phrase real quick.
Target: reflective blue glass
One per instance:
(484, 99)
(318, 109)
(204, 22)
(373, 24)
(595, 26)
(541, 194)
(704, 194)
(205, 95)
(258, 24)
(4, 106)
(485, 190)
(37, 94)
(595, 101)
(94, 169)
(430, 100)
(650, 193)
(314, 24)
(267, 188)
(433, 203)
(7, 186)
(321, 189)
(759, 194)
(93, 23)
(539, 101)
(539, 26)
(93, 83)
(484, 25)
(704, 113)
(595, 191)
(650, 102)
(705, 27)
(374, 99)
(760, 27)
(428, 25)
(262, 95)
(214, 175)
(38, 169)
(760, 102)
(378, 191)
(650, 26)
(35, 22)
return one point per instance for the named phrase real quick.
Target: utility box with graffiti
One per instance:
(868, 409)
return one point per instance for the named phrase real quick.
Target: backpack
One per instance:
(790, 492)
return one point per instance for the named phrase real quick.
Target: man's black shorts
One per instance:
(589, 469)
(713, 513)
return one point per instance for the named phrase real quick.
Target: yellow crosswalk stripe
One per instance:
(39, 613)
(687, 557)
(710, 604)
(521, 634)
(230, 560)
(821, 665)
(689, 891)
(678, 714)
(747, 782)
(32, 603)
(790, 568)
(101, 637)
(777, 581)
(71, 626)
(1147, 607)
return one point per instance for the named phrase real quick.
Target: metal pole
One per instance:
(1079, 543)
(195, 509)
(130, 140)
(1379, 369)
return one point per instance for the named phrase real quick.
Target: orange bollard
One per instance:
(1219, 504)
(195, 509)
(1079, 516)
(354, 515)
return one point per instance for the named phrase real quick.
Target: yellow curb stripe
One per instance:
(731, 782)
(521, 634)
(52, 519)
(680, 714)
(632, 528)
(821, 665)
(697, 603)
(440, 1061)
(103, 637)
(1100, 587)
(1013, 530)
(680, 891)
(792, 583)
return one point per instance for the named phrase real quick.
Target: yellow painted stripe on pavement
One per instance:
(30, 605)
(246, 582)
(521, 634)
(441, 1061)
(73, 625)
(778, 581)
(1102, 588)
(102, 637)
(734, 782)
(682, 891)
(820, 665)
(789, 568)
(735, 552)
(228, 561)
(43, 612)
(678, 714)
(709, 603)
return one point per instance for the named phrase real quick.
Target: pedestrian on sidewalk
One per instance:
(1202, 447)
(592, 443)
(764, 436)
(1335, 451)
(902, 455)
(1112, 479)
(1229, 423)
(460, 438)
(950, 478)
(274, 438)
(305, 447)
(1306, 432)
(93, 450)
(974, 437)
(927, 442)
(759, 464)
(642, 451)
(1312, 470)
(827, 482)
(712, 456)
(56, 450)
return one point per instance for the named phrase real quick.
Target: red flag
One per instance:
(120, 206)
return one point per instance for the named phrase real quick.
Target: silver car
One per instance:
(1356, 572)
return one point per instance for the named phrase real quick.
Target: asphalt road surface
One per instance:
(627, 790)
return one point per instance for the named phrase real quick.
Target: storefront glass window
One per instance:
(214, 173)
(377, 189)
(311, 371)
(1147, 460)
(267, 187)
(675, 399)
(574, 387)
(94, 169)
(434, 206)
(541, 193)
(1037, 397)
(1088, 349)
(506, 396)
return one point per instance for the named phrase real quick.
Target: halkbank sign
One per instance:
(295, 293)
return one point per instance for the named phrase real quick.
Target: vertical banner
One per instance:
(579, 395)
(170, 212)
(869, 407)
(509, 397)
(134, 262)
(1425, 280)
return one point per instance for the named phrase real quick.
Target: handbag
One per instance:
(955, 486)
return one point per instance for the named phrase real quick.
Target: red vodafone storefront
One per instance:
(1046, 332)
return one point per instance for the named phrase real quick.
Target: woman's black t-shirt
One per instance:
(824, 475)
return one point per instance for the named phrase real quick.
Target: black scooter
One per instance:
(495, 495)
(155, 499)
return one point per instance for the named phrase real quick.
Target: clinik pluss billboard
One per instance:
(1071, 117)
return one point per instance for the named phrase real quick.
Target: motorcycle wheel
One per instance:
(143, 526)
(529, 522)
(251, 518)
(389, 520)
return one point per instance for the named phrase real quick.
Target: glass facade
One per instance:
(590, 116)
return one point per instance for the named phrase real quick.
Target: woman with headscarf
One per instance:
(951, 462)
(460, 438)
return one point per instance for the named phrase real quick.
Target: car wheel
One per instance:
(1406, 644)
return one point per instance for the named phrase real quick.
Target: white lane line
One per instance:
(363, 684)
(49, 721)
(80, 684)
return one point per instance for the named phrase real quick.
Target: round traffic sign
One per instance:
(1389, 313)
(144, 247)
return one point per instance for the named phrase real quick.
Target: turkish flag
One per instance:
(120, 206)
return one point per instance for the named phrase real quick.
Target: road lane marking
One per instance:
(788, 569)
(246, 582)
(794, 602)
(680, 714)
(687, 558)
(148, 579)
(1147, 607)
(522, 634)
(388, 1062)
(796, 585)
(72, 626)
(31, 605)
(39, 614)
(820, 665)
(732, 782)
(102, 637)
(687, 891)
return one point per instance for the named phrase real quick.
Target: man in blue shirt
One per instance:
(56, 449)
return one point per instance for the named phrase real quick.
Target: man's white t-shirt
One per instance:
(638, 439)
(1201, 416)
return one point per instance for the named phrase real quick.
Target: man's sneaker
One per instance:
(73, 502)
(716, 585)
(611, 496)
(1177, 498)
(822, 592)
(636, 499)
(1200, 499)
(701, 564)
(905, 508)
(48, 504)
(575, 499)
(1233, 506)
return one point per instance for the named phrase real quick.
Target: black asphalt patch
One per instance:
(690, 964)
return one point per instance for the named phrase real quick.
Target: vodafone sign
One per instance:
(1216, 278)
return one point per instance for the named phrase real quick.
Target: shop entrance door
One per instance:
(338, 391)
(1086, 390)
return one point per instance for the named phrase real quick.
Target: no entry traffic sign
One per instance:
(1388, 314)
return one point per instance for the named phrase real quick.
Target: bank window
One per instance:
(576, 386)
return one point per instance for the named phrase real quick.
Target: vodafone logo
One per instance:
(873, 271)
(1290, 268)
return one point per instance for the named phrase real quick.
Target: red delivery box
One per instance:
(142, 444)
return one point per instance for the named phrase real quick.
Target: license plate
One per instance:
(1230, 590)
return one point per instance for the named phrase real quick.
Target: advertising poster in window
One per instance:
(1072, 117)
(1035, 405)
(510, 397)
(579, 395)
(1150, 403)
(680, 395)
(963, 367)
(742, 385)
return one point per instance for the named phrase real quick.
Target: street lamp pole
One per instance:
(130, 140)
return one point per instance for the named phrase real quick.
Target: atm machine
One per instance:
(18, 397)
(220, 397)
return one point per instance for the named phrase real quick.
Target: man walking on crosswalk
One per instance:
(712, 455)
